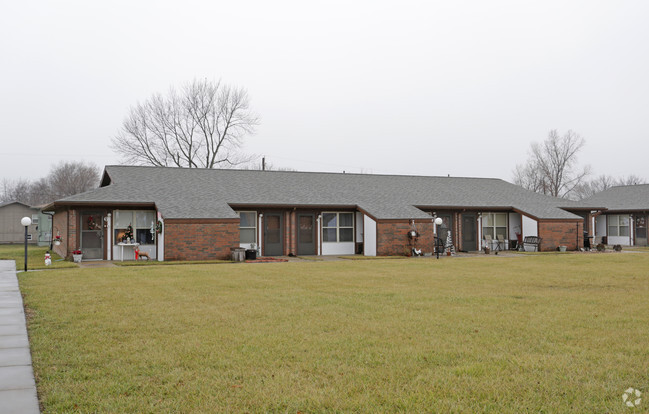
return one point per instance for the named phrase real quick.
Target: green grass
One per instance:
(358, 257)
(35, 257)
(555, 333)
(168, 263)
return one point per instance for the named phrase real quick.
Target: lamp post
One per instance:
(26, 221)
(438, 221)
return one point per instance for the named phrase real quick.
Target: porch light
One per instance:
(26, 221)
(438, 222)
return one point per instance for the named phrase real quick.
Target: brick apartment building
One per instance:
(198, 214)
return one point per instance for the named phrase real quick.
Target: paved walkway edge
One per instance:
(17, 385)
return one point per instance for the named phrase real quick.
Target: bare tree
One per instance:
(18, 190)
(594, 186)
(631, 180)
(552, 167)
(603, 182)
(65, 179)
(202, 125)
(69, 178)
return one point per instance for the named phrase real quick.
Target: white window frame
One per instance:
(29, 236)
(494, 226)
(338, 226)
(35, 219)
(616, 224)
(254, 222)
(133, 224)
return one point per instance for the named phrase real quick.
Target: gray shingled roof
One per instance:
(7, 203)
(625, 197)
(204, 193)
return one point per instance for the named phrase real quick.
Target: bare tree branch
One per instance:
(552, 167)
(65, 179)
(202, 125)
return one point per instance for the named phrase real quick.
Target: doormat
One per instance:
(267, 260)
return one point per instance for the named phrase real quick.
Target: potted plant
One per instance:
(57, 240)
(77, 255)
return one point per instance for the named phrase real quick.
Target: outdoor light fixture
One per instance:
(26, 221)
(438, 222)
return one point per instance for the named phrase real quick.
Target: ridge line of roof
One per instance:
(306, 172)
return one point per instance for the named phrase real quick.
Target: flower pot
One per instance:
(562, 248)
(57, 242)
(77, 258)
(448, 253)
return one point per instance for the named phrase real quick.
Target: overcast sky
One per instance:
(426, 88)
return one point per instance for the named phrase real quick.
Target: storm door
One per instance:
(305, 234)
(469, 233)
(640, 230)
(92, 236)
(445, 228)
(273, 240)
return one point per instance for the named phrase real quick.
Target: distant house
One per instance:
(192, 214)
(11, 231)
(623, 217)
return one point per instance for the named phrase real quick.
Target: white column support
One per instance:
(261, 234)
(160, 239)
(319, 239)
(109, 236)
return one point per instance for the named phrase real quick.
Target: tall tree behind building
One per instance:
(202, 125)
(64, 179)
(552, 166)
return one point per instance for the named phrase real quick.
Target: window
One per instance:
(337, 227)
(29, 237)
(618, 225)
(494, 224)
(248, 227)
(142, 221)
(35, 219)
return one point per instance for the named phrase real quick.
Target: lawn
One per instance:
(35, 257)
(554, 333)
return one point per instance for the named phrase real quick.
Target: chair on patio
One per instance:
(488, 241)
(500, 242)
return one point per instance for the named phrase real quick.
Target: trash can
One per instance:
(238, 255)
(251, 254)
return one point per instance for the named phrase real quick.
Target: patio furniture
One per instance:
(500, 242)
(488, 241)
(133, 245)
(533, 241)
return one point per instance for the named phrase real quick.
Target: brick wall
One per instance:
(65, 224)
(566, 233)
(195, 240)
(392, 237)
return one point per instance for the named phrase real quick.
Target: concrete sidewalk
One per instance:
(17, 385)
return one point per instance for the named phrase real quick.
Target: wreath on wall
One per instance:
(158, 227)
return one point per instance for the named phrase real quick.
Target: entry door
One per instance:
(640, 230)
(445, 228)
(305, 234)
(273, 240)
(469, 233)
(92, 235)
